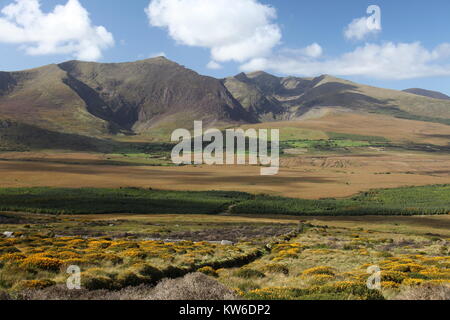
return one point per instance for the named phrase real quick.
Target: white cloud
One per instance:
(360, 28)
(386, 61)
(65, 30)
(236, 30)
(312, 51)
(214, 65)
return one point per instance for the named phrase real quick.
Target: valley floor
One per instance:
(307, 177)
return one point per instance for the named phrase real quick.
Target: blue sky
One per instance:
(305, 38)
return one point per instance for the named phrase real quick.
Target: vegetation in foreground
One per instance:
(311, 262)
(428, 200)
(332, 263)
(37, 262)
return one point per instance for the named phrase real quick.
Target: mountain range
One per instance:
(138, 98)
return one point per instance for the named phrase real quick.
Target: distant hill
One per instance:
(290, 98)
(428, 93)
(101, 100)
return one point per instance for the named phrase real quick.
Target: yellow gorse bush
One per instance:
(436, 273)
(12, 257)
(134, 253)
(209, 271)
(78, 262)
(104, 257)
(406, 267)
(275, 293)
(122, 245)
(99, 244)
(76, 243)
(321, 270)
(65, 255)
(319, 279)
(319, 251)
(43, 263)
(413, 282)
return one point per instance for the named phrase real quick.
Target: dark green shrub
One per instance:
(247, 273)
(150, 274)
(128, 279)
(208, 271)
(174, 272)
(90, 282)
(276, 268)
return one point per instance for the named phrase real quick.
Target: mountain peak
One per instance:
(161, 59)
(153, 60)
(257, 74)
(241, 77)
(328, 77)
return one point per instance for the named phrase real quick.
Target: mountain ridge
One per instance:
(141, 97)
(428, 93)
(298, 96)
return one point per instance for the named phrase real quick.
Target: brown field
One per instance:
(309, 177)
(394, 129)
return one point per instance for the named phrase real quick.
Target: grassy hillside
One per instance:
(39, 97)
(388, 101)
(16, 136)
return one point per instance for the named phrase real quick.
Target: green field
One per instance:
(428, 200)
(330, 141)
(127, 200)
